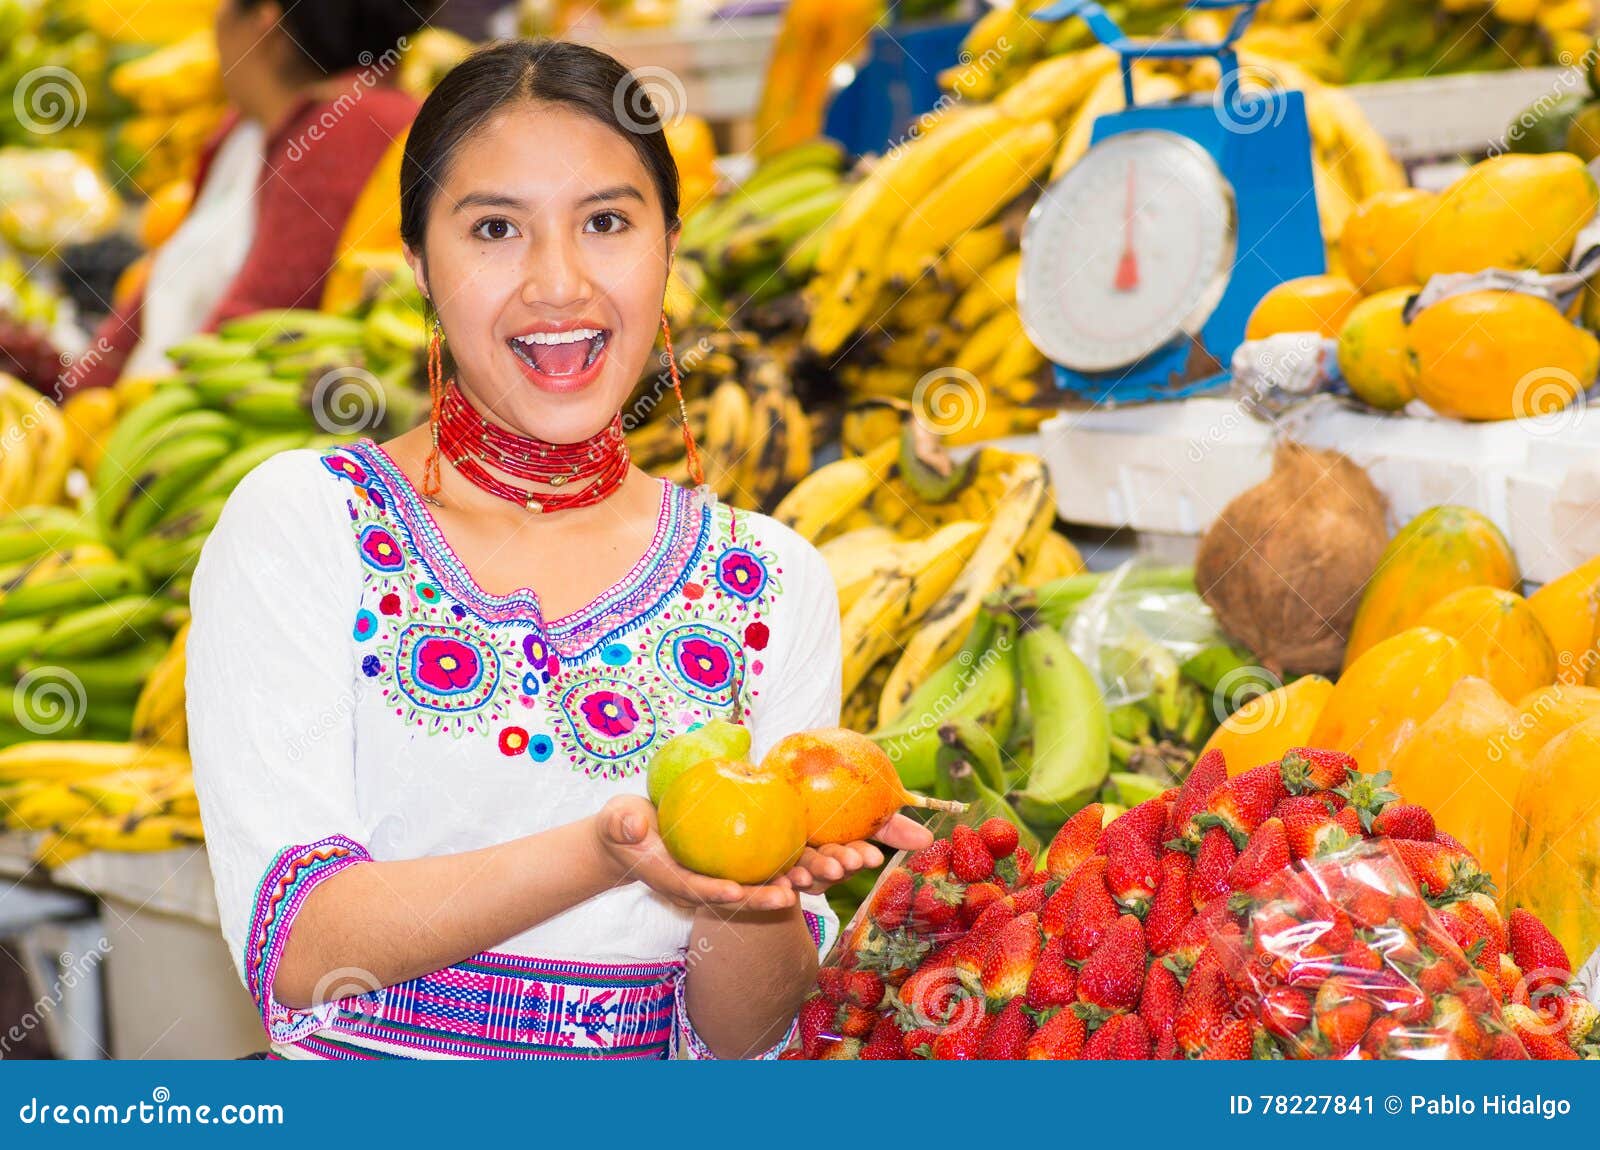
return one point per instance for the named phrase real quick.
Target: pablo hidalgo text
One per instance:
(1492, 1105)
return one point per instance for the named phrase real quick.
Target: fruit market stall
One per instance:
(1315, 785)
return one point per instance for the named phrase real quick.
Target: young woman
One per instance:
(313, 109)
(426, 677)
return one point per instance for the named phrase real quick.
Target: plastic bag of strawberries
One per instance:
(1343, 957)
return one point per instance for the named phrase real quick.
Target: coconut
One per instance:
(1284, 565)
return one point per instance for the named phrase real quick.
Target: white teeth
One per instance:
(576, 335)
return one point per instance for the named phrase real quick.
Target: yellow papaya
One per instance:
(1309, 303)
(1377, 244)
(1375, 352)
(1384, 696)
(1440, 551)
(1554, 865)
(1270, 724)
(1510, 211)
(373, 226)
(1569, 610)
(1545, 713)
(1501, 634)
(1465, 763)
(1486, 355)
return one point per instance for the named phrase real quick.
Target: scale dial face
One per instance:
(1132, 247)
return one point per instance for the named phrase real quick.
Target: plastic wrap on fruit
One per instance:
(1344, 958)
(1275, 373)
(50, 198)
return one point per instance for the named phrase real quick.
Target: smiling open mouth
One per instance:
(559, 353)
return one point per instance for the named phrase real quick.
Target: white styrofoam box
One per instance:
(1172, 467)
(1168, 467)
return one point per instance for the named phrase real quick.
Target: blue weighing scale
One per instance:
(1141, 264)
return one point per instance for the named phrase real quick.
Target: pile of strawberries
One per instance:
(1147, 937)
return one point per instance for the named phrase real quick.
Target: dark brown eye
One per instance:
(497, 228)
(606, 223)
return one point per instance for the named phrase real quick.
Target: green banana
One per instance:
(227, 475)
(18, 637)
(116, 677)
(947, 681)
(818, 153)
(989, 699)
(29, 532)
(163, 557)
(1071, 732)
(389, 332)
(276, 327)
(197, 518)
(765, 241)
(122, 457)
(110, 719)
(206, 351)
(274, 403)
(1049, 605)
(174, 469)
(963, 738)
(72, 588)
(217, 384)
(101, 629)
(741, 208)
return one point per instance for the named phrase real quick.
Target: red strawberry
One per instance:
(855, 987)
(1017, 870)
(891, 903)
(1123, 1039)
(1209, 772)
(1440, 974)
(1488, 916)
(1510, 978)
(1306, 769)
(1143, 825)
(1243, 803)
(999, 836)
(1173, 905)
(1212, 867)
(855, 1021)
(1054, 981)
(1535, 949)
(1166, 1048)
(1440, 872)
(977, 897)
(1132, 873)
(1465, 924)
(1368, 795)
(1507, 1048)
(1350, 822)
(1062, 1037)
(970, 860)
(1196, 934)
(1056, 906)
(1203, 1010)
(1264, 856)
(1445, 840)
(816, 1024)
(840, 1049)
(935, 905)
(932, 860)
(991, 918)
(885, 1043)
(1028, 898)
(1074, 842)
(918, 1043)
(1011, 959)
(1341, 1015)
(1088, 918)
(1233, 1042)
(1159, 1000)
(1380, 1040)
(1462, 1027)
(961, 1043)
(1285, 1010)
(1008, 1034)
(1113, 975)
(1312, 829)
(1405, 821)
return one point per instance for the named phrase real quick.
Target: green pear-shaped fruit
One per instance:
(717, 739)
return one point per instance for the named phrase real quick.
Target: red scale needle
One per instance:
(1128, 266)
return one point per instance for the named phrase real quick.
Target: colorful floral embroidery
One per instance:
(513, 741)
(661, 650)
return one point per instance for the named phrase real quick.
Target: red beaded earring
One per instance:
(695, 471)
(430, 467)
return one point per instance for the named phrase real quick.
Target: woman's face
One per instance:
(547, 259)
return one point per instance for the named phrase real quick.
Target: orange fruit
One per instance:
(848, 785)
(1374, 356)
(1311, 303)
(1375, 247)
(733, 820)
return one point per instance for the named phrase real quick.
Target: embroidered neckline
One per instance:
(683, 530)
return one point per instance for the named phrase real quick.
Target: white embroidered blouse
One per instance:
(354, 695)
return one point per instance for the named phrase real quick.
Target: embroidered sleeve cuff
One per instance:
(824, 927)
(294, 873)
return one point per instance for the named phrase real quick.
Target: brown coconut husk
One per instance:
(1285, 563)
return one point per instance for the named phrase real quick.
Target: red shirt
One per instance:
(317, 162)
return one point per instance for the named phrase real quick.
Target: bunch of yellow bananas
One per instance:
(916, 542)
(177, 91)
(35, 447)
(753, 437)
(89, 795)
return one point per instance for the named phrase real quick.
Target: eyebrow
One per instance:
(501, 200)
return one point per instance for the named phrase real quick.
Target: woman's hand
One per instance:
(630, 844)
(821, 867)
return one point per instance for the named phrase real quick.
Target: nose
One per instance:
(557, 276)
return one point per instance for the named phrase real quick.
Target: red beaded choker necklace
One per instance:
(465, 438)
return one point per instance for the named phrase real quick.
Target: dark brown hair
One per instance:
(542, 71)
(335, 35)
